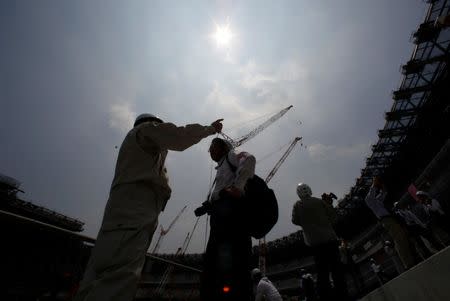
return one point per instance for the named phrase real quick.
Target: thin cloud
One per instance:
(121, 117)
(322, 152)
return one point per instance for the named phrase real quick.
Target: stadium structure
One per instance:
(44, 253)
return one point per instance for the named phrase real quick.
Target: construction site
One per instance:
(45, 253)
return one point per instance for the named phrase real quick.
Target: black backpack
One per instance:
(261, 205)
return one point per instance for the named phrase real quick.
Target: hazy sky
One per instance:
(74, 74)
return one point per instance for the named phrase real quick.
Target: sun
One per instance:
(223, 35)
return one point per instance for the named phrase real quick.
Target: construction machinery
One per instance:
(241, 140)
(181, 251)
(262, 241)
(163, 232)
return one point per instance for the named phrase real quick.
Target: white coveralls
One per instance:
(139, 192)
(267, 291)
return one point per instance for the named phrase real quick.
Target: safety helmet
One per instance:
(256, 273)
(422, 193)
(146, 117)
(303, 190)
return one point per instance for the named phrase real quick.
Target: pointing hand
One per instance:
(217, 125)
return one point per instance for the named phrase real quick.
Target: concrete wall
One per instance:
(429, 280)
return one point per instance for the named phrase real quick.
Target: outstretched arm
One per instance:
(177, 138)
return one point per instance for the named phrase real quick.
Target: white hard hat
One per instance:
(422, 193)
(303, 190)
(146, 117)
(256, 272)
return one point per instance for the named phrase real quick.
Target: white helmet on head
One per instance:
(422, 193)
(303, 190)
(146, 117)
(256, 273)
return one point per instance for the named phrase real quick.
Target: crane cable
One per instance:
(273, 153)
(241, 124)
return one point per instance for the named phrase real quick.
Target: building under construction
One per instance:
(413, 149)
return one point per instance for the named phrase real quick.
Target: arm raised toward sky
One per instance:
(177, 138)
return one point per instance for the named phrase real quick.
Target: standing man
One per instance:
(316, 218)
(307, 286)
(265, 290)
(434, 209)
(139, 192)
(375, 201)
(390, 251)
(418, 226)
(350, 265)
(226, 271)
(381, 276)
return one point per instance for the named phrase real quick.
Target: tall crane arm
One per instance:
(238, 142)
(175, 220)
(282, 159)
(262, 241)
(164, 232)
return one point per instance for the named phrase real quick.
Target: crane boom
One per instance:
(181, 251)
(282, 159)
(175, 219)
(164, 232)
(190, 237)
(168, 272)
(241, 140)
(262, 241)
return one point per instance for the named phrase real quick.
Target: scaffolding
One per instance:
(419, 101)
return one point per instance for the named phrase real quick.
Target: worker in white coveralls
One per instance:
(139, 192)
(264, 288)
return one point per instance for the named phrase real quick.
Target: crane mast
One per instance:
(181, 251)
(262, 241)
(163, 232)
(283, 158)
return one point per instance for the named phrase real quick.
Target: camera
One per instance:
(203, 209)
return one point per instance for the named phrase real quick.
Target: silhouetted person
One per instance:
(316, 217)
(264, 288)
(139, 192)
(375, 201)
(226, 272)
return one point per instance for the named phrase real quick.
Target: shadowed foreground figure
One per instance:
(139, 192)
(264, 288)
(316, 217)
(226, 272)
(375, 201)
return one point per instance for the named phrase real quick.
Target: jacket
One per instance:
(141, 186)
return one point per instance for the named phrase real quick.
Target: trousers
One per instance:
(226, 270)
(117, 259)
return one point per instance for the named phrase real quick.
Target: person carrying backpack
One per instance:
(227, 260)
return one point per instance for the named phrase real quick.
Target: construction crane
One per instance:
(163, 232)
(168, 272)
(238, 142)
(282, 159)
(262, 241)
(181, 251)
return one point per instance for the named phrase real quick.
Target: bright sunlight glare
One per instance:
(223, 35)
